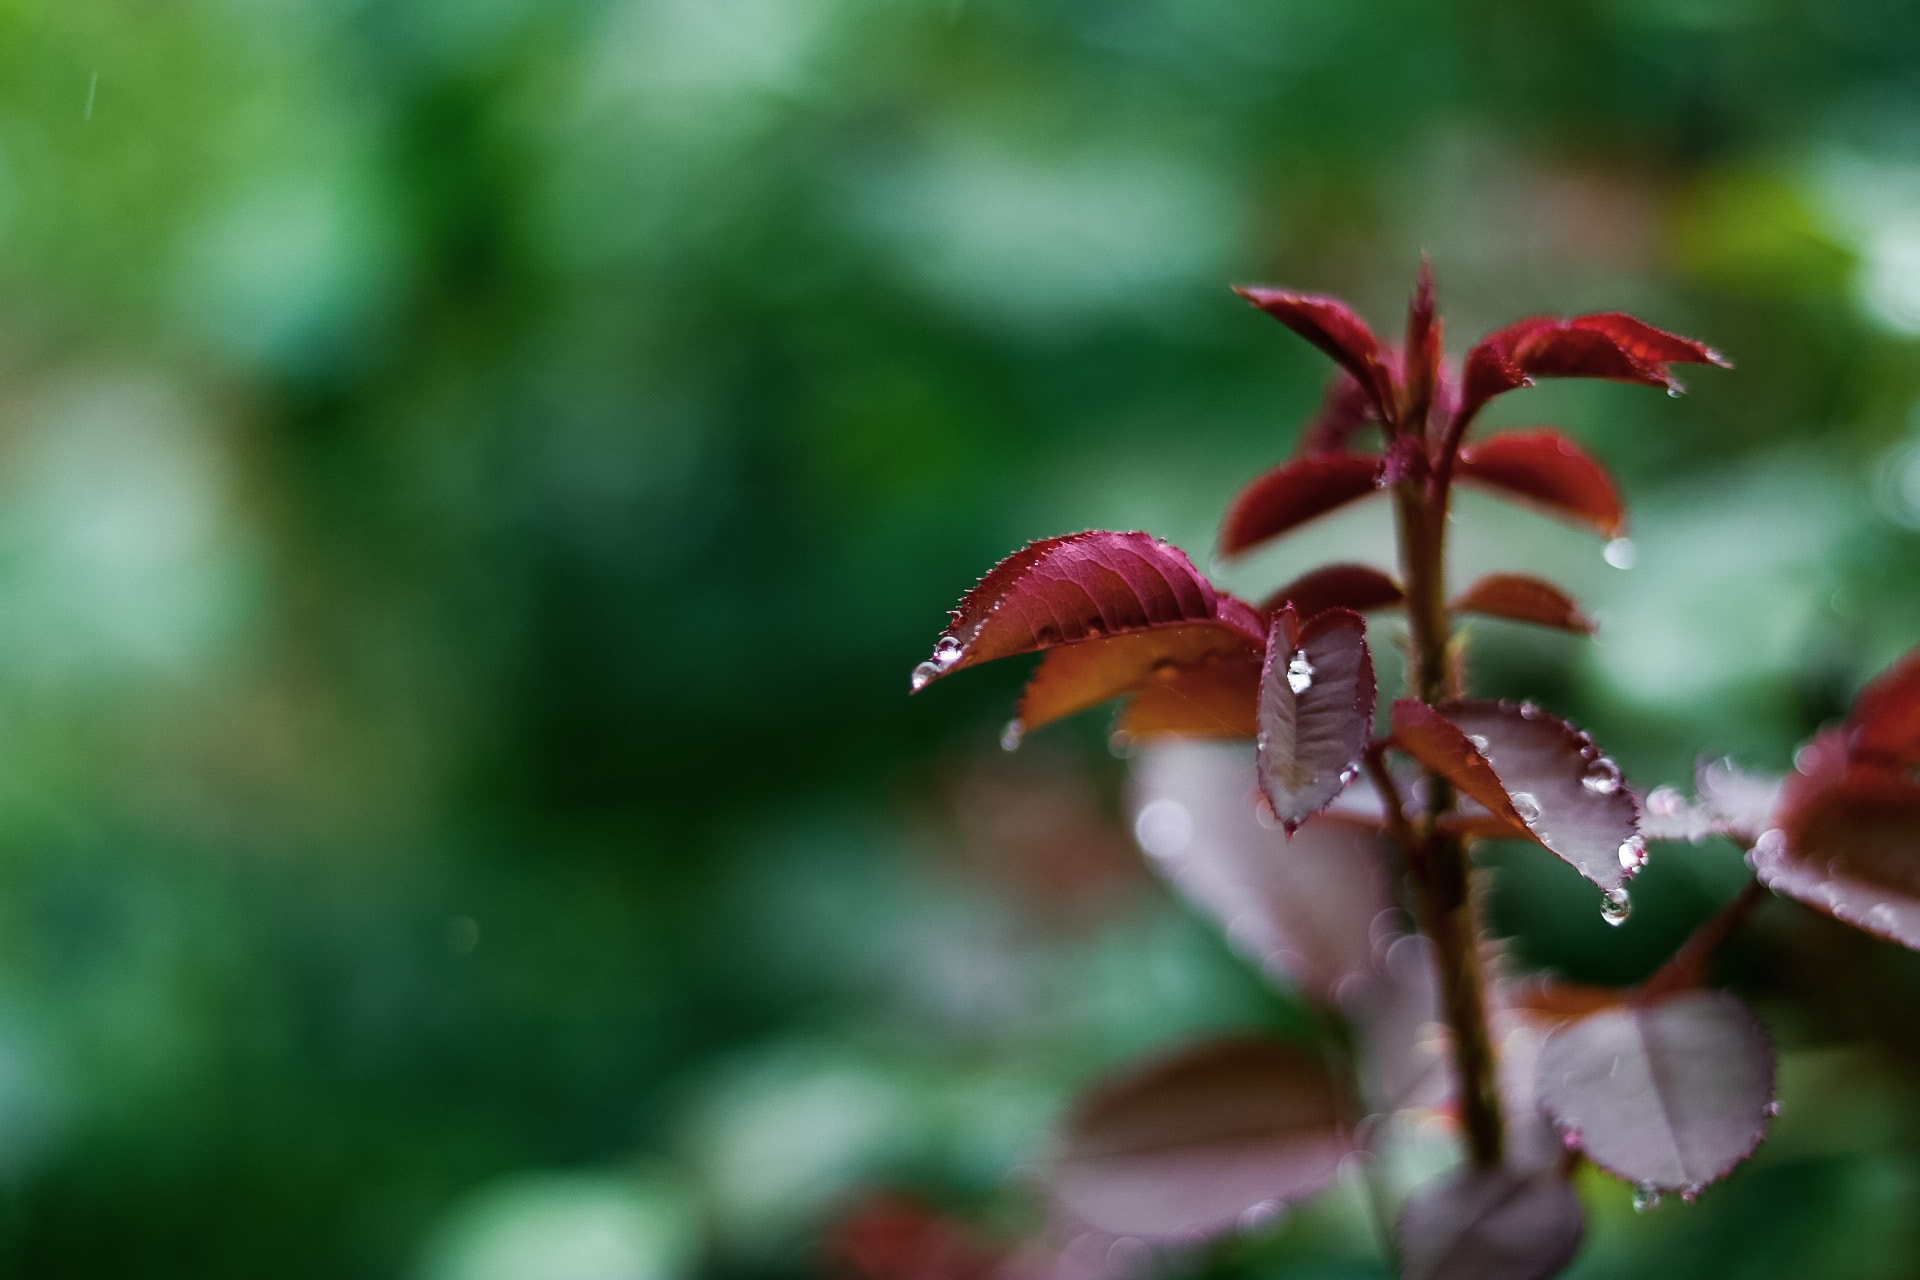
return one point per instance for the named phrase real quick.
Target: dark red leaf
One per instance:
(1064, 590)
(1549, 470)
(1519, 598)
(1330, 325)
(1420, 357)
(1302, 909)
(1491, 1224)
(1885, 724)
(1604, 345)
(1078, 676)
(1669, 1095)
(1347, 409)
(1846, 846)
(892, 1237)
(1218, 698)
(1317, 694)
(1538, 772)
(1358, 587)
(1295, 492)
(1188, 1143)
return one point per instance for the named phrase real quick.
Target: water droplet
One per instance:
(946, 651)
(1479, 741)
(1164, 828)
(1530, 711)
(1646, 1196)
(1602, 777)
(1690, 1193)
(1674, 392)
(923, 673)
(1772, 842)
(1299, 672)
(1348, 774)
(1617, 907)
(1881, 916)
(1773, 1108)
(1261, 1215)
(1570, 1138)
(1620, 553)
(1526, 806)
(1011, 735)
(1633, 854)
(1665, 801)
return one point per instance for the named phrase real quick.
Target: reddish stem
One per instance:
(1687, 968)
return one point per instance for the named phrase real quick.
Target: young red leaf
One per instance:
(1491, 1224)
(1188, 1143)
(1885, 725)
(1218, 698)
(1330, 325)
(1302, 909)
(1846, 846)
(1519, 598)
(1062, 590)
(1078, 676)
(1347, 409)
(1548, 470)
(1295, 492)
(1420, 356)
(1608, 345)
(892, 1237)
(1316, 710)
(1741, 804)
(1537, 772)
(1669, 1095)
(1358, 587)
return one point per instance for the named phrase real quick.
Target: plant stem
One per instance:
(1442, 875)
(1688, 966)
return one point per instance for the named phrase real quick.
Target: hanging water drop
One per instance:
(1011, 735)
(1665, 801)
(922, 674)
(1620, 553)
(1773, 1108)
(1602, 777)
(1617, 907)
(1526, 806)
(1299, 672)
(1646, 1196)
(1690, 1193)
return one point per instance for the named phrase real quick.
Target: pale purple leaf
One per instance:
(1491, 1224)
(1316, 710)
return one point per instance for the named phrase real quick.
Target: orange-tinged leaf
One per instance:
(1078, 676)
(1217, 698)
(1547, 469)
(1295, 492)
(1520, 598)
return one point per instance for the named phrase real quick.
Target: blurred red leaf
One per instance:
(1295, 492)
(1607, 345)
(1846, 846)
(1347, 409)
(1358, 587)
(1420, 356)
(892, 1237)
(1187, 1143)
(1885, 725)
(1062, 590)
(1537, 772)
(1217, 698)
(1078, 676)
(1519, 598)
(1741, 804)
(1549, 470)
(1669, 1095)
(1317, 693)
(1303, 909)
(1332, 326)
(1491, 1224)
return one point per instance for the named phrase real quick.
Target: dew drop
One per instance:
(1571, 1138)
(1602, 777)
(1617, 907)
(1479, 741)
(1299, 672)
(1633, 854)
(1526, 806)
(1665, 801)
(1772, 842)
(1690, 1193)
(1120, 744)
(946, 651)
(922, 674)
(1646, 1196)
(1620, 553)
(1881, 916)
(1011, 735)
(1348, 774)
(1530, 711)
(1773, 1108)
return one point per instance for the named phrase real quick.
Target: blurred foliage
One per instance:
(475, 475)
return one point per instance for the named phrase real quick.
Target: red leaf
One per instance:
(1316, 710)
(1295, 492)
(1670, 1095)
(1347, 409)
(1078, 676)
(1332, 326)
(1539, 773)
(1218, 698)
(1547, 469)
(1420, 357)
(1846, 846)
(1062, 590)
(1358, 587)
(892, 1237)
(1885, 724)
(1187, 1143)
(1491, 1224)
(1604, 345)
(1302, 909)
(1519, 598)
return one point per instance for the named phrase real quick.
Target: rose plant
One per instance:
(1338, 849)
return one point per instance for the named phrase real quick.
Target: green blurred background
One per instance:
(476, 474)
